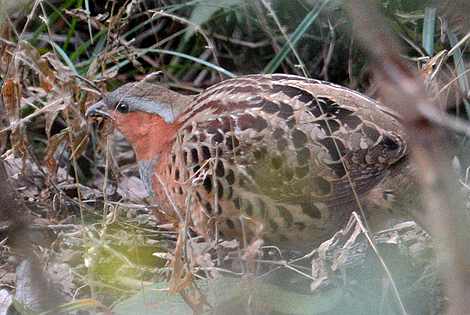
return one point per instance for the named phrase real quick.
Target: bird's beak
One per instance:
(97, 110)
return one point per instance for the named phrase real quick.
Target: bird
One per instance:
(278, 157)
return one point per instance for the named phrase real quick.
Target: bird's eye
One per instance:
(390, 143)
(122, 108)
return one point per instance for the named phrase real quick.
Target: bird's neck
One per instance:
(152, 146)
(148, 134)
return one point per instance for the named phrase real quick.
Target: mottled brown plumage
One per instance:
(275, 156)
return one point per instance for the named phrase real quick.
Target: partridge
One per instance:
(280, 157)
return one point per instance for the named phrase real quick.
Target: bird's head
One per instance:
(146, 114)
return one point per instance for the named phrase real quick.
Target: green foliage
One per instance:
(154, 299)
(273, 65)
(204, 10)
(429, 30)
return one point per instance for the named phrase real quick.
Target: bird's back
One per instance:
(278, 156)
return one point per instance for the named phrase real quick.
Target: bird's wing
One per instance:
(292, 139)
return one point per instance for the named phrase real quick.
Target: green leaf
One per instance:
(429, 24)
(143, 52)
(64, 56)
(459, 63)
(227, 295)
(233, 293)
(294, 38)
(153, 300)
(203, 11)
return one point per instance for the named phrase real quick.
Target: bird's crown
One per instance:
(141, 96)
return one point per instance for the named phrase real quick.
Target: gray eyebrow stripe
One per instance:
(150, 106)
